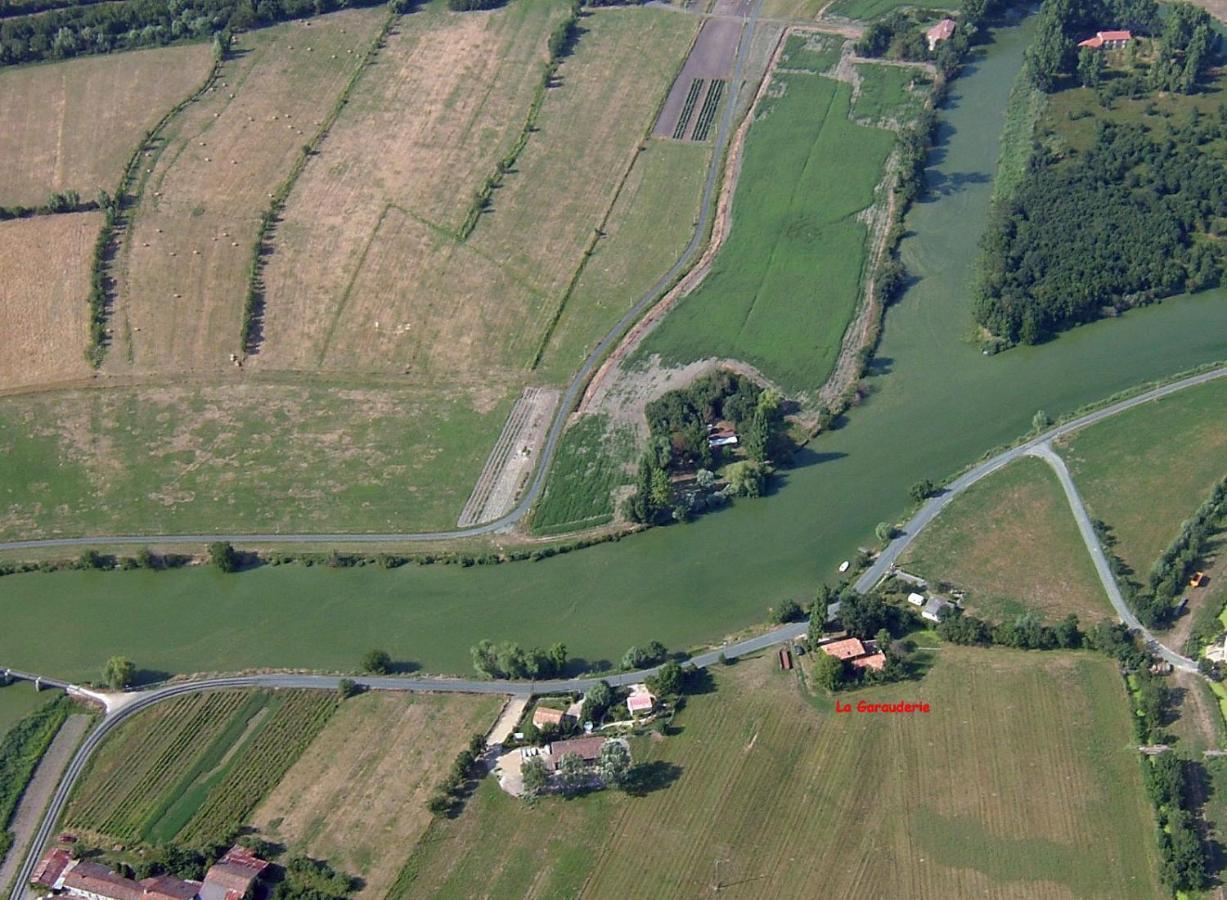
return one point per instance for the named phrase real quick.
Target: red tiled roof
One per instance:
(543, 715)
(241, 856)
(51, 867)
(231, 876)
(1116, 35)
(588, 748)
(168, 887)
(640, 702)
(876, 661)
(941, 31)
(96, 879)
(845, 649)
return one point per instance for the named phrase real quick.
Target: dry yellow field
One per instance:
(182, 273)
(357, 796)
(368, 271)
(426, 126)
(44, 289)
(73, 125)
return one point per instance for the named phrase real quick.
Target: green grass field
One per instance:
(785, 285)
(868, 10)
(814, 53)
(1023, 109)
(589, 467)
(245, 456)
(1019, 782)
(887, 94)
(1145, 471)
(1046, 568)
(193, 768)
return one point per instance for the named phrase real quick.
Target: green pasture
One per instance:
(814, 53)
(589, 466)
(887, 94)
(1145, 471)
(868, 10)
(253, 456)
(936, 404)
(787, 281)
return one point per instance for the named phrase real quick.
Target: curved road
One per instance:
(569, 398)
(1038, 446)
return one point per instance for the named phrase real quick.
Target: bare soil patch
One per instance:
(44, 289)
(72, 126)
(357, 796)
(182, 273)
(512, 459)
(711, 57)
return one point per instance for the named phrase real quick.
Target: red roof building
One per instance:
(848, 648)
(587, 748)
(1113, 40)
(543, 715)
(942, 31)
(232, 876)
(50, 868)
(875, 661)
(97, 882)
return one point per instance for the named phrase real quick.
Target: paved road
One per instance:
(1045, 452)
(569, 398)
(931, 508)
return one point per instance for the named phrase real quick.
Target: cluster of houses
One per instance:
(853, 650)
(230, 878)
(639, 702)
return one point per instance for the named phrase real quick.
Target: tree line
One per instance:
(1133, 219)
(1171, 571)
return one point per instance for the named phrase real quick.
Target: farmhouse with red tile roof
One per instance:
(1112, 40)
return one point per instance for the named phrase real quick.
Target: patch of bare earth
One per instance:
(513, 458)
(357, 796)
(71, 126)
(44, 297)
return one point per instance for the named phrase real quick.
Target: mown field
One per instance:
(590, 465)
(1011, 542)
(243, 454)
(787, 281)
(72, 126)
(357, 796)
(1019, 782)
(44, 283)
(815, 53)
(397, 287)
(1145, 471)
(182, 272)
(192, 769)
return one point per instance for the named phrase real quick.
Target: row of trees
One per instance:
(1116, 226)
(1171, 571)
(106, 27)
(451, 792)
(509, 660)
(1026, 632)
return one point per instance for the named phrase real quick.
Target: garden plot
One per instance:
(711, 57)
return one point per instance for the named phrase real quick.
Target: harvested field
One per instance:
(512, 458)
(1145, 471)
(779, 788)
(1045, 569)
(397, 272)
(44, 291)
(72, 126)
(357, 796)
(375, 211)
(182, 271)
(251, 454)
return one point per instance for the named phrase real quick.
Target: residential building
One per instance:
(543, 716)
(587, 748)
(1107, 40)
(916, 599)
(942, 31)
(641, 700)
(230, 878)
(875, 661)
(934, 608)
(848, 648)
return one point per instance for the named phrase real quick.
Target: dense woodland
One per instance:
(1137, 216)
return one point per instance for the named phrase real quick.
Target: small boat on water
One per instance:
(843, 566)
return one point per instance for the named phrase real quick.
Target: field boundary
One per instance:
(119, 211)
(252, 328)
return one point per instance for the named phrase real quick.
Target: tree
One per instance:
(598, 699)
(572, 772)
(119, 672)
(484, 660)
(823, 598)
(789, 610)
(1090, 67)
(830, 672)
(224, 556)
(536, 777)
(1040, 421)
(747, 478)
(347, 688)
(705, 479)
(1051, 51)
(377, 662)
(884, 532)
(921, 490)
(668, 680)
(558, 658)
(614, 764)
(863, 615)
(635, 658)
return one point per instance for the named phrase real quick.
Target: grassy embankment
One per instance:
(1011, 542)
(936, 404)
(868, 10)
(1040, 794)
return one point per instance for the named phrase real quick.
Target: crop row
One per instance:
(692, 97)
(147, 756)
(707, 114)
(262, 765)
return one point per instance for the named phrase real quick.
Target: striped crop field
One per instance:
(707, 115)
(692, 98)
(1019, 782)
(192, 768)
